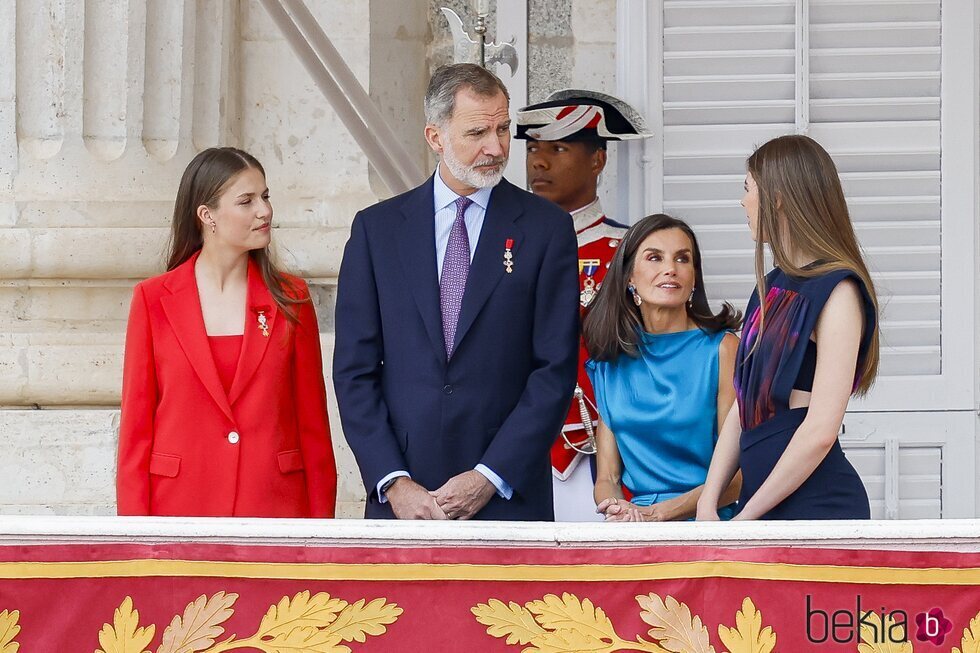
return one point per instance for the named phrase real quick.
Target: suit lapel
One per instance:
(417, 251)
(488, 261)
(254, 344)
(183, 310)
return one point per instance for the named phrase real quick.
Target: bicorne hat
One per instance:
(578, 115)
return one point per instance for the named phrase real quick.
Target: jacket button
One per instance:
(233, 437)
(447, 389)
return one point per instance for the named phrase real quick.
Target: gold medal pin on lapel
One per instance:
(509, 256)
(262, 319)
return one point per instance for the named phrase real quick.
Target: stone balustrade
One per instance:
(959, 535)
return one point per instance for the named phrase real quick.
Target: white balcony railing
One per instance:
(937, 535)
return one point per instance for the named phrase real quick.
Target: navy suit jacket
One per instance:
(502, 397)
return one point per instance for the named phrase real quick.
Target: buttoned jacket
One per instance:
(186, 447)
(500, 399)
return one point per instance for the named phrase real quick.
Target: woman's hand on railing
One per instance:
(619, 510)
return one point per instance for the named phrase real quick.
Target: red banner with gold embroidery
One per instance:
(187, 598)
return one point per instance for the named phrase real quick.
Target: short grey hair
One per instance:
(440, 96)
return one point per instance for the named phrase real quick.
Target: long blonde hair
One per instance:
(796, 173)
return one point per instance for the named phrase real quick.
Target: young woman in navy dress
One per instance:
(805, 349)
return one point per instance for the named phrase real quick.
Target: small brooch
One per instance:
(508, 256)
(263, 321)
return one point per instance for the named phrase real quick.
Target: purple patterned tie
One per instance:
(455, 268)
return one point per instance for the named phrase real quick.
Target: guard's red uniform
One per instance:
(598, 238)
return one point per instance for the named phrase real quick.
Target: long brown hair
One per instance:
(613, 324)
(812, 219)
(203, 182)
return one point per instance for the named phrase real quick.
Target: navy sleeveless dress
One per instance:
(763, 382)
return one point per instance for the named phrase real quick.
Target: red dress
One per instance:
(225, 350)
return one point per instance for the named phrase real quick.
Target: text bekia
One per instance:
(844, 626)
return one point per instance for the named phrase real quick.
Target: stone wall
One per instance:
(102, 104)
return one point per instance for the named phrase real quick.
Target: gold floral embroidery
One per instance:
(553, 625)
(124, 635)
(870, 645)
(561, 625)
(571, 625)
(301, 624)
(319, 623)
(748, 635)
(672, 624)
(200, 624)
(969, 644)
(8, 631)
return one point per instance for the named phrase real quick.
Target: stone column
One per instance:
(102, 104)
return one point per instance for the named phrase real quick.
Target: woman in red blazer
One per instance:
(224, 408)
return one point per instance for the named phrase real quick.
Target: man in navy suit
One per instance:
(457, 325)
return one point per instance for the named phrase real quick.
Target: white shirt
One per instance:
(445, 210)
(444, 204)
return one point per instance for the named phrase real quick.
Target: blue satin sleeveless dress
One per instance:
(763, 382)
(662, 408)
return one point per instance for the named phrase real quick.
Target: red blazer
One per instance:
(186, 447)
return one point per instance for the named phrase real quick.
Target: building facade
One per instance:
(103, 103)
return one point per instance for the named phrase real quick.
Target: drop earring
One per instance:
(636, 296)
(213, 225)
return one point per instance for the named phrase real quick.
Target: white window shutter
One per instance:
(862, 77)
(729, 84)
(874, 103)
(890, 88)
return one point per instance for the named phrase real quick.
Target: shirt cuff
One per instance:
(382, 497)
(503, 490)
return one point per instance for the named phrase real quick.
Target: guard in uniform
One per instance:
(566, 152)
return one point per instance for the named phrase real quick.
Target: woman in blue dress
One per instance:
(661, 365)
(805, 349)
